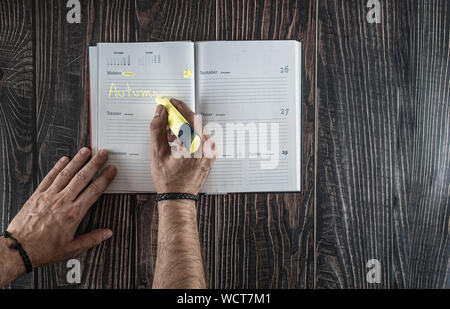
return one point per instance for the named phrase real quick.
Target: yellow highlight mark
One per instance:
(187, 73)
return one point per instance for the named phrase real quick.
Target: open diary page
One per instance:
(249, 95)
(129, 77)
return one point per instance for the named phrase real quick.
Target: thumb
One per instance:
(158, 133)
(92, 239)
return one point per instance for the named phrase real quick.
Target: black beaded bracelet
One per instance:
(18, 246)
(176, 196)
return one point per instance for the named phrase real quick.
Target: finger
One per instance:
(90, 240)
(184, 110)
(195, 121)
(178, 151)
(95, 189)
(85, 175)
(209, 150)
(177, 142)
(69, 171)
(48, 180)
(170, 136)
(158, 133)
(205, 138)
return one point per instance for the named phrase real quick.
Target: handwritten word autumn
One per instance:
(129, 92)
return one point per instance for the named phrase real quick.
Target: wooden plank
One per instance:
(430, 191)
(364, 145)
(266, 240)
(383, 144)
(175, 20)
(16, 114)
(60, 93)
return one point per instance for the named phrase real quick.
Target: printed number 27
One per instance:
(284, 111)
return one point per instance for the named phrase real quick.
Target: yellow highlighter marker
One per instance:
(180, 126)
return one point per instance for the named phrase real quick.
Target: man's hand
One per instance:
(47, 223)
(175, 173)
(179, 261)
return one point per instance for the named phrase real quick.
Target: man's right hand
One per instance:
(182, 174)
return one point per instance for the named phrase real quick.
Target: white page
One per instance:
(123, 117)
(255, 84)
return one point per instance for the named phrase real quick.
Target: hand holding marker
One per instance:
(180, 126)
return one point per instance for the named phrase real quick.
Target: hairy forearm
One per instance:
(11, 265)
(179, 261)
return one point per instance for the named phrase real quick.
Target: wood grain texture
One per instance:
(16, 113)
(382, 177)
(383, 172)
(364, 145)
(430, 191)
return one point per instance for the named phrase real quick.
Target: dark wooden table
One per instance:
(376, 178)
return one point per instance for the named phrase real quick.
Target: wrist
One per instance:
(12, 265)
(178, 208)
(177, 204)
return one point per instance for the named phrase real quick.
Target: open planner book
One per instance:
(249, 93)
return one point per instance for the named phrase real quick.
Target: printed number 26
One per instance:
(284, 69)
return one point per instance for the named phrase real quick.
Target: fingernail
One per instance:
(102, 153)
(158, 110)
(107, 235)
(84, 151)
(64, 159)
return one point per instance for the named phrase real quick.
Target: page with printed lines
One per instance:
(125, 79)
(249, 95)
